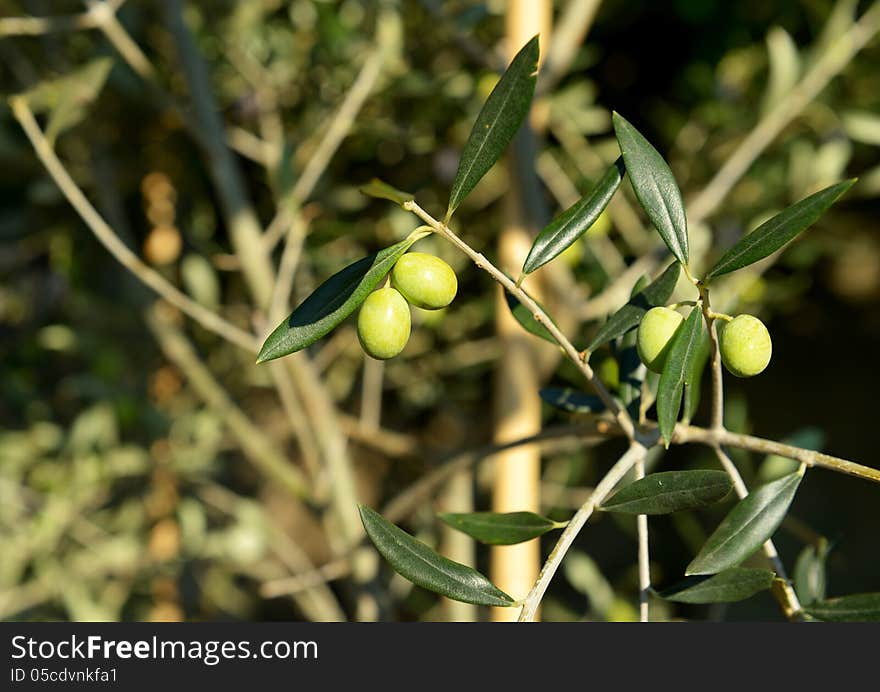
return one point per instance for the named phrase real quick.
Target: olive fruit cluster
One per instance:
(744, 341)
(384, 320)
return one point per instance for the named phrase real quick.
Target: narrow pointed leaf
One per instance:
(735, 584)
(497, 123)
(861, 607)
(670, 491)
(331, 302)
(772, 235)
(382, 190)
(571, 224)
(571, 400)
(694, 380)
(500, 529)
(526, 319)
(809, 573)
(751, 522)
(423, 567)
(655, 187)
(654, 294)
(679, 362)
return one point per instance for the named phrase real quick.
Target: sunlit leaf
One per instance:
(862, 607)
(382, 190)
(772, 235)
(748, 525)
(423, 567)
(735, 584)
(679, 364)
(501, 529)
(654, 294)
(331, 302)
(809, 573)
(670, 491)
(571, 224)
(655, 187)
(497, 123)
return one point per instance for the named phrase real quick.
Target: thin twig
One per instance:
(106, 235)
(537, 312)
(635, 452)
(644, 555)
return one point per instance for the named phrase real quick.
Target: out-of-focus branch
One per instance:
(571, 28)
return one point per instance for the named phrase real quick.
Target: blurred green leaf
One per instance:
(751, 522)
(785, 66)
(670, 491)
(500, 529)
(655, 187)
(571, 224)
(423, 567)
(67, 99)
(331, 303)
(679, 363)
(778, 231)
(382, 190)
(526, 319)
(862, 607)
(571, 400)
(497, 123)
(809, 573)
(862, 126)
(734, 584)
(629, 316)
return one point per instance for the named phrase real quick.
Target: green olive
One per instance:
(384, 323)
(424, 280)
(745, 346)
(655, 333)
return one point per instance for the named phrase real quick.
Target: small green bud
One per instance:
(745, 346)
(655, 332)
(384, 323)
(424, 280)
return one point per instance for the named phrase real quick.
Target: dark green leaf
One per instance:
(382, 190)
(526, 319)
(571, 400)
(501, 529)
(423, 567)
(655, 187)
(694, 379)
(571, 224)
(628, 317)
(497, 123)
(772, 235)
(861, 607)
(331, 303)
(735, 584)
(751, 522)
(809, 573)
(679, 363)
(670, 491)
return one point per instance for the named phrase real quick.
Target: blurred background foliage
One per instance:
(125, 493)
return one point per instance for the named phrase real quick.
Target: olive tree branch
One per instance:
(632, 455)
(110, 240)
(789, 600)
(644, 554)
(620, 415)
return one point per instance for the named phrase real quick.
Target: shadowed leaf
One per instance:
(772, 235)
(500, 529)
(571, 224)
(423, 567)
(679, 364)
(497, 123)
(526, 319)
(735, 584)
(655, 187)
(670, 491)
(751, 522)
(862, 607)
(571, 400)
